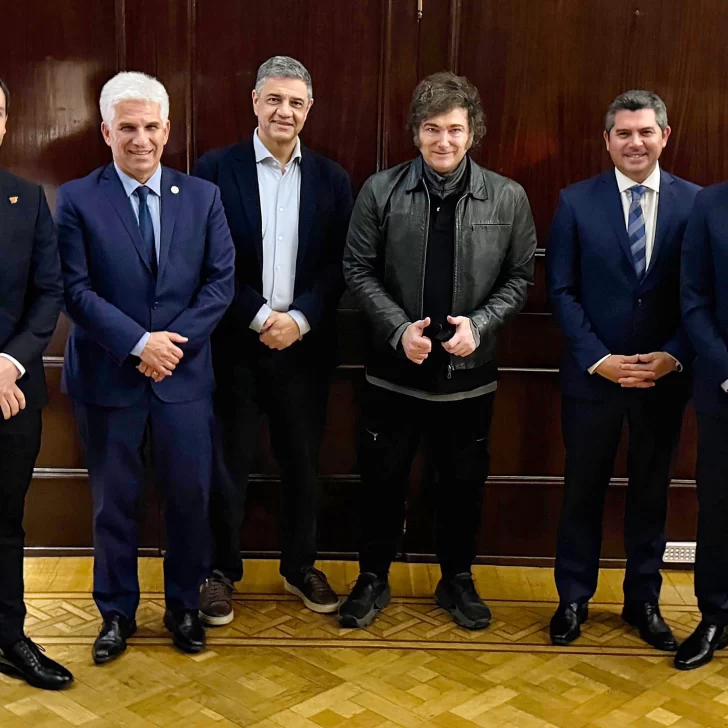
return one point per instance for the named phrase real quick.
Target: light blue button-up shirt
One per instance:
(154, 203)
(280, 193)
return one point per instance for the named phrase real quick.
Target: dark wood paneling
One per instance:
(339, 43)
(545, 78)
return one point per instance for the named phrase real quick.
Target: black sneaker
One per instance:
(368, 597)
(313, 590)
(458, 597)
(216, 600)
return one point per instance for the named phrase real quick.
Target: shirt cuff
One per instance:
(395, 338)
(723, 386)
(679, 366)
(261, 317)
(593, 367)
(139, 346)
(301, 320)
(18, 365)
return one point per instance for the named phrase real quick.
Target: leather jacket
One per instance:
(386, 248)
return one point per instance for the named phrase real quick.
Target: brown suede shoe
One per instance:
(216, 600)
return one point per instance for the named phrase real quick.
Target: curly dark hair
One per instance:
(6, 93)
(442, 92)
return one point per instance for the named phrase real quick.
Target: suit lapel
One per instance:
(665, 218)
(170, 204)
(307, 205)
(7, 216)
(246, 175)
(615, 213)
(114, 191)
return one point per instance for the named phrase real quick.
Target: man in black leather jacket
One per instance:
(439, 255)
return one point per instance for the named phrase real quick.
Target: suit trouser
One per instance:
(19, 446)
(592, 431)
(456, 436)
(180, 442)
(711, 559)
(293, 391)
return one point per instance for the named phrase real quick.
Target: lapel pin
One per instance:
(13, 200)
(175, 190)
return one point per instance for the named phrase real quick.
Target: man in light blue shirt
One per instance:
(288, 210)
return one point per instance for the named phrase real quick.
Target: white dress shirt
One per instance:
(280, 194)
(650, 201)
(154, 203)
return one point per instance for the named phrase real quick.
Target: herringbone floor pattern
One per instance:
(278, 665)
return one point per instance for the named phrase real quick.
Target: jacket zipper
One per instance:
(424, 255)
(450, 366)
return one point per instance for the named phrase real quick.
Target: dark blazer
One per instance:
(113, 298)
(324, 212)
(31, 287)
(599, 303)
(704, 295)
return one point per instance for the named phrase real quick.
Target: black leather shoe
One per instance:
(652, 627)
(698, 649)
(26, 659)
(566, 623)
(111, 642)
(458, 597)
(187, 631)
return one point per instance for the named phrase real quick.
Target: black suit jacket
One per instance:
(31, 288)
(324, 212)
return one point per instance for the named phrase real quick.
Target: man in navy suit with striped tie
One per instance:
(613, 273)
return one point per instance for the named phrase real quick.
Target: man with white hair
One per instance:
(148, 267)
(288, 210)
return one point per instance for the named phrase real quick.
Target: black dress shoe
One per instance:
(652, 627)
(27, 660)
(566, 623)
(187, 630)
(698, 649)
(111, 642)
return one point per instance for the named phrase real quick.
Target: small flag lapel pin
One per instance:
(175, 190)
(13, 200)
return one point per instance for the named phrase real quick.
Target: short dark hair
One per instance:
(442, 92)
(635, 100)
(4, 89)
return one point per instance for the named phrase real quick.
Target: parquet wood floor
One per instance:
(278, 665)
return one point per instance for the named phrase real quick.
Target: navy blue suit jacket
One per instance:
(112, 297)
(324, 212)
(31, 287)
(705, 296)
(599, 303)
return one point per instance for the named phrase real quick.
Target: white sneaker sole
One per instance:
(216, 621)
(318, 608)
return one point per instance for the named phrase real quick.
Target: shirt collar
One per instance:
(130, 184)
(262, 153)
(652, 182)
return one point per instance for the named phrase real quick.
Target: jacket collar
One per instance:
(475, 186)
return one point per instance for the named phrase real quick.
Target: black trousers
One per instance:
(292, 390)
(456, 433)
(711, 559)
(592, 432)
(19, 446)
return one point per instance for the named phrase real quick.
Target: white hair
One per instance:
(136, 86)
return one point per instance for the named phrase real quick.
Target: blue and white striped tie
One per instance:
(636, 231)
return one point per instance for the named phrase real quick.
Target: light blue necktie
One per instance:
(636, 231)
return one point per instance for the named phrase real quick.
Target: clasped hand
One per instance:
(161, 354)
(12, 399)
(417, 346)
(639, 371)
(279, 331)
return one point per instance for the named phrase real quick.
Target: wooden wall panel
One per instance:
(545, 78)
